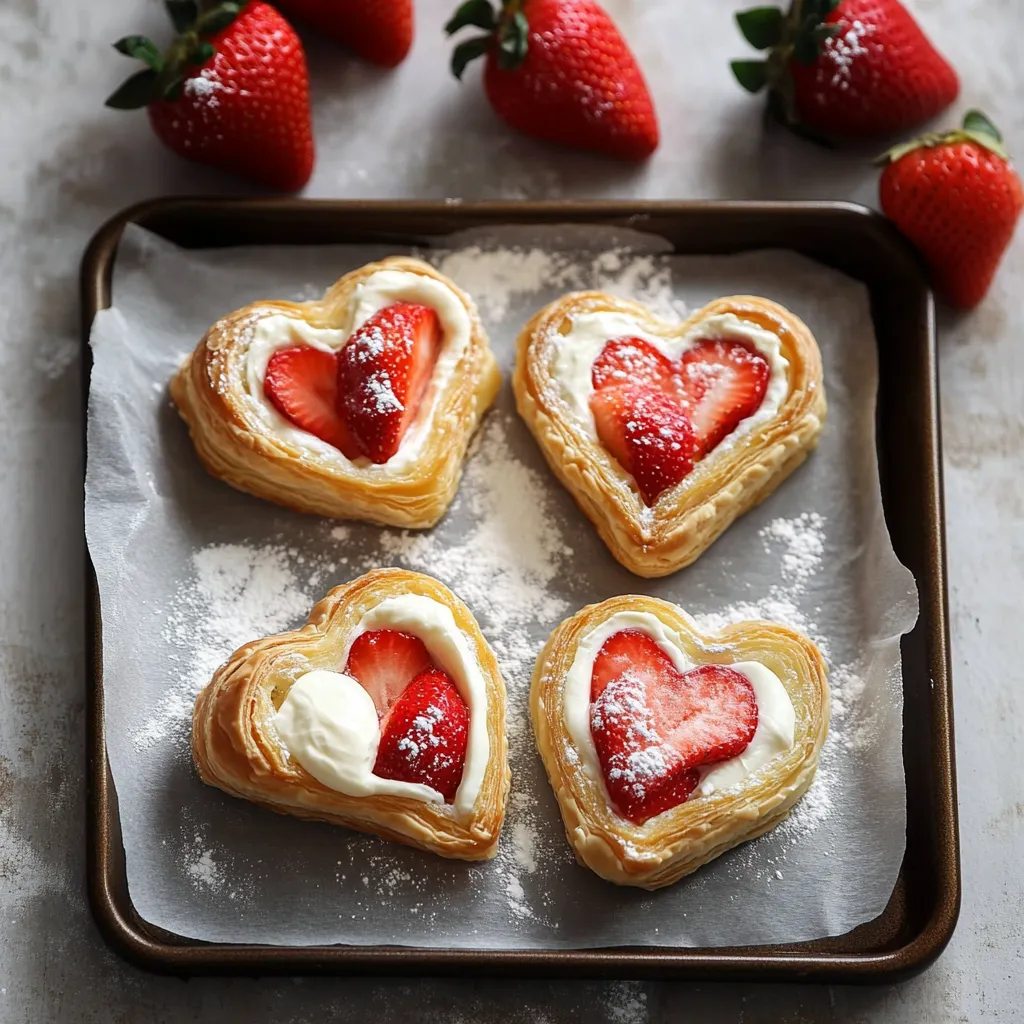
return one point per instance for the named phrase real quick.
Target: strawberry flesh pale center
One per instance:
(362, 399)
(659, 418)
(424, 721)
(653, 727)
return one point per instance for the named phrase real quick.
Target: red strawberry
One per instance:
(384, 661)
(654, 726)
(377, 30)
(631, 361)
(301, 383)
(383, 372)
(424, 737)
(232, 91)
(721, 383)
(957, 198)
(649, 435)
(559, 70)
(855, 69)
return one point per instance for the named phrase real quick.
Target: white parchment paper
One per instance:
(189, 568)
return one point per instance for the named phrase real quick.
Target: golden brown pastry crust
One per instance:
(686, 519)
(236, 748)
(671, 845)
(235, 445)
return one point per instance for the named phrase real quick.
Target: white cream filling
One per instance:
(381, 289)
(329, 724)
(776, 718)
(576, 352)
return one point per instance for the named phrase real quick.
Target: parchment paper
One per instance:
(183, 561)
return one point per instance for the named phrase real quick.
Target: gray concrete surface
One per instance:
(66, 164)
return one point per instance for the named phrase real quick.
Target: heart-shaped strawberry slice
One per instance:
(383, 373)
(384, 661)
(363, 399)
(302, 384)
(721, 384)
(658, 417)
(648, 433)
(423, 738)
(653, 726)
(424, 720)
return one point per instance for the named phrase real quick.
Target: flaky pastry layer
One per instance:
(686, 519)
(236, 747)
(237, 446)
(677, 842)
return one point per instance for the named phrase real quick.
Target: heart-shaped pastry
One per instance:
(384, 713)
(666, 747)
(664, 432)
(360, 405)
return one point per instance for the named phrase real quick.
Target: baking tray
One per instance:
(921, 915)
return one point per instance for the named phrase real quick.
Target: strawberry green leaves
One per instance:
(799, 34)
(751, 74)
(508, 32)
(167, 71)
(976, 127)
(761, 26)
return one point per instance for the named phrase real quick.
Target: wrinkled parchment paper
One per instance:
(207, 866)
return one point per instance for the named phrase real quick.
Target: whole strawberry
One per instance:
(853, 69)
(377, 30)
(559, 70)
(232, 91)
(957, 198)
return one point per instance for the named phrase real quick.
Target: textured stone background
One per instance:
(66, 164)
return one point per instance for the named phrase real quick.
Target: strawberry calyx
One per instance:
(798, 34)
(166, 72)
(507, 33)
(976, 127)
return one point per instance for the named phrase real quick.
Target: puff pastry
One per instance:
(240, 439)
(678, 841)
(237, 748)
(729, 480)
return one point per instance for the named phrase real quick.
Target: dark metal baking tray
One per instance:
(922, 913)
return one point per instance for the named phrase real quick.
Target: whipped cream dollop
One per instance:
(576, 351)
(381, 289)
(329, 723)
(776, 717)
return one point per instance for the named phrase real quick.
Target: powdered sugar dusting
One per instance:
(804, 538)
(237, 594)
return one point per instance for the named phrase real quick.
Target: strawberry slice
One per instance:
(424, 737)
(384, 661)
(721, 383)
(383, 373)
(301, 383)
(649, 435)
(654, 726)
(631, 361)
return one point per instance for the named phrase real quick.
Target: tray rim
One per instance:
(126, 932)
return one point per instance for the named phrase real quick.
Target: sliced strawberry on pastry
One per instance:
(653, 726)
(631, 361)
(424, 737)
(384, 662)
(384, 370)
(301, 383)
(721, 383)
(647, 433)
